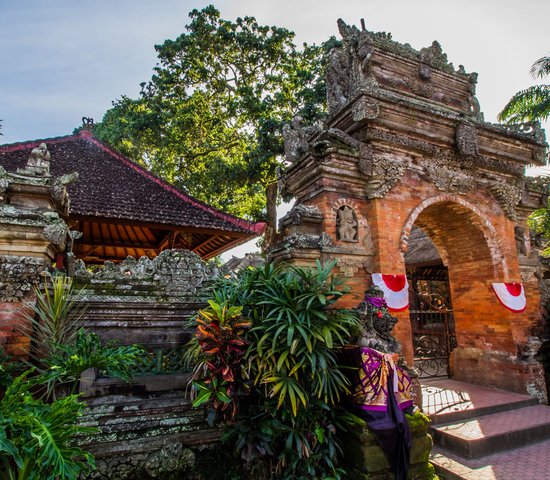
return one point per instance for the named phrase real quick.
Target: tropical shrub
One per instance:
(55, 317)
(37, 438)
(66, 363)
(220, 338)
(290, 416)
(61, 350)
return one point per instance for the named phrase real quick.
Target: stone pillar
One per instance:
(33, 232)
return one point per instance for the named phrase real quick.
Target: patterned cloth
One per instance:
(372, 389)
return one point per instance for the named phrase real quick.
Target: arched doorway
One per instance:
(430, 307)
(452, 256)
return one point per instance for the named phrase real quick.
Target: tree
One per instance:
(532, 103)
(210, 118)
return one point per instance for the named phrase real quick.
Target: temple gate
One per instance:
(405, 146)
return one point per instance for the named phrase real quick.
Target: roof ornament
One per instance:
(87, 123)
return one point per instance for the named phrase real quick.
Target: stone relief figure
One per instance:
(39, 160)
(295, 138)
(346, 224)
(377, 323)
(338, 78)
(361, 55)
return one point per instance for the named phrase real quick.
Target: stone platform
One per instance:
(486, 434)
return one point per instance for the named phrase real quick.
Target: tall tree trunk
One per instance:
(271, 206)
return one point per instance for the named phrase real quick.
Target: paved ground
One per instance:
(528, 463)
(445, 399)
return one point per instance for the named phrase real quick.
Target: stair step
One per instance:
(527, 463)
(495, 432)
(449, 401)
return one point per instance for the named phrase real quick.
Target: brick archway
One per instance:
(469, 247)
(405, 144)
(427, 215)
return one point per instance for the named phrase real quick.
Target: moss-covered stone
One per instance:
(365, 459)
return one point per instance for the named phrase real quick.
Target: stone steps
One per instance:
(127, 423)
(487, 434)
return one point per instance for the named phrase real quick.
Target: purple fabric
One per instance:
(377, 302)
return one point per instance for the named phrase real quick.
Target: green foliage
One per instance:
(220, 338)
(215, 107)
(8, 370)
(56, 316)
(539, 222)
(532, 103)
(290, 414)
(37, 439)
(61, 349)
(66, 363)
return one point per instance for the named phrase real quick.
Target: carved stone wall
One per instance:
(32, 233)
(147, 427)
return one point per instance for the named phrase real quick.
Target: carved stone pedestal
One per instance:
(366, 460)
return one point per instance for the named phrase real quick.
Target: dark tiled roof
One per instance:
(112, 186)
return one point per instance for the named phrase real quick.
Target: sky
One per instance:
(61, 60)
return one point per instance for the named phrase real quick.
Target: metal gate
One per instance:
(432, 326)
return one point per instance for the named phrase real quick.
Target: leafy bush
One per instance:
(66, 363)
(220, 337)
(61, 350)
(289, 416)
(37, 438)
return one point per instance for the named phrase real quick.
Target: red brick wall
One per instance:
(12, 328)
(476, 241)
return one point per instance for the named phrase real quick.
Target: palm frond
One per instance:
(530, 104)
(541, 67)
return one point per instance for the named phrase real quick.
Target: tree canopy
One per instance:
(533, 103)
(209, 120)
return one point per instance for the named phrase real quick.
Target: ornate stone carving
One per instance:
(528, 350)
(382, 175)
(306, 240)
(56, 229)
(365, 160)
(18, 275)
(507, 196)
(466, 140)
(178, 272)
(349, 266)
(421, 87)
(361, 51)
(531, 129)
(302, 213)
(377, 323)
(448, 175)
(403, 141)
(4, 183)
(348, 65)
(59, 189)
(434, 56)
(295, 139)
(346, 224)
(338, 78)
(334, 139)
(39, 162)
(365, 109)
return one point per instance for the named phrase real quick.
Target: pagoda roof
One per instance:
(112, 189)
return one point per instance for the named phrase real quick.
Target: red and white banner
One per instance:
(395, 288)
(511, 295)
